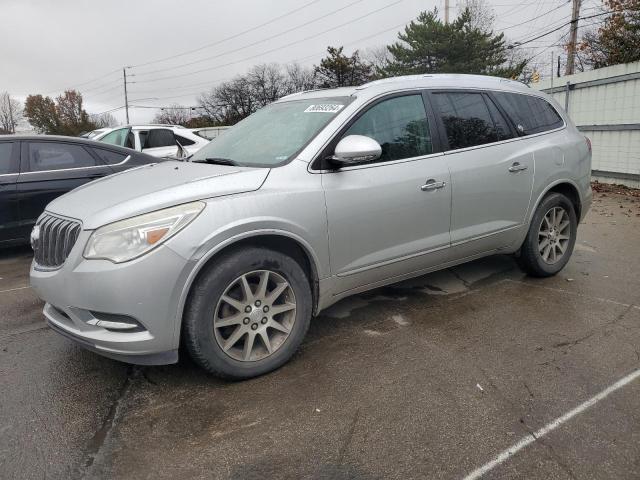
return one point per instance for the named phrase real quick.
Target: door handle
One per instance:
(517, 167)
(432, 185)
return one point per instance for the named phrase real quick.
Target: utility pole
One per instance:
(126, 98)
(552, 70)
(573, 38)
(446, 12)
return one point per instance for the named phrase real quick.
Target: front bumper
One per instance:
(145, 291)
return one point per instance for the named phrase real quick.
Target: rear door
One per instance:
(50, 169)
(491, 172)
(158, 142)
(9, 217)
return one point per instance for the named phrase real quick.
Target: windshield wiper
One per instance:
(217, 161)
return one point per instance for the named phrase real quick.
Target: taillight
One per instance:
(588, 143)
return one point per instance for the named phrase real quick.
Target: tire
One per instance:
(558, 250)
(217, 317)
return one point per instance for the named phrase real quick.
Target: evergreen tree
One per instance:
(338, 70)
(430, 46)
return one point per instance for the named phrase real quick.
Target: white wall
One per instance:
(608, 105)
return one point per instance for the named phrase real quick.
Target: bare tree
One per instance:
(377, 57)
(483, 16)
(10, 112)
(173, 115)
(267, 83)
(104, 120)
(299, 78)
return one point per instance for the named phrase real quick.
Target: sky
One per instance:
(47, 46)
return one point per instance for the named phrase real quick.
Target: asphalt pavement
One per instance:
(473, 369)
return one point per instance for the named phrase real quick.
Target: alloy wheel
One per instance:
(554, 235)
(254, 315)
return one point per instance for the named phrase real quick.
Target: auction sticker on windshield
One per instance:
(324, 108)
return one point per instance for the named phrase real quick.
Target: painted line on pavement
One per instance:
(549, 427)
(15, 289)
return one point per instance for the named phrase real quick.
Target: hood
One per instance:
(152, 187)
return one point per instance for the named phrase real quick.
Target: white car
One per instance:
(156, 140)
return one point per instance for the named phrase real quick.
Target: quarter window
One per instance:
(6, 158)
(467, 120)
(109, 157)
(533, 114)
(399, 125)
(184, 141)
(45, 156)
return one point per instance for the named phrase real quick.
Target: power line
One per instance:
(519, 44)
(300, 59)
(279, 34)
(271, 50)
(536, 18)
(83, 83)
(217, 42)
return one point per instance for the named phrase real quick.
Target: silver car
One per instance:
(316, 197)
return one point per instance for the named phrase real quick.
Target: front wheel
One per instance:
(247, 313)
(551, 237)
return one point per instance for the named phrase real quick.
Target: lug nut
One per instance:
(254, 326)
(264, 320)
(247, 308)
(245, 320)
(265, 309)
(258, 302)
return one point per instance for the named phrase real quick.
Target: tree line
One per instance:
(426, 45)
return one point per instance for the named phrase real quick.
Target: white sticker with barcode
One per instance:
(324, 108)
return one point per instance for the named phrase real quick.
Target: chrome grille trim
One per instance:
(56, 238)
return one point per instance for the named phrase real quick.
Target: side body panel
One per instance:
(381, 223)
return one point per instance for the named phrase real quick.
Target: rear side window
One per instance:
(158, 138)
(109, 157)
(184, 141)
(467, 119)
(44, 156)
(533, 114)
(6, 158)
(399, 125)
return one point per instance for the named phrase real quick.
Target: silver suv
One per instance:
(316, 197)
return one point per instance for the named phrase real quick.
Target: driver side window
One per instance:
(399, 125)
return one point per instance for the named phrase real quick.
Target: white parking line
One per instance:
(14, 289)
(532, 437)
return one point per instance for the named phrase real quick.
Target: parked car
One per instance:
(36, 169)
(209, 132)
(316, 197)
(94, 133)
(155, 140)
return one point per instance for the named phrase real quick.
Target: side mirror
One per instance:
(355, 149)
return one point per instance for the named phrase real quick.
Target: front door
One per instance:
(389, 218)
(9, 218)
(491, 171)
(50, 169)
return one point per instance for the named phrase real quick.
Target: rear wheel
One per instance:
(551, 237)
(248, 313)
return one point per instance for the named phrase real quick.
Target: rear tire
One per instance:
(247, 313)
(551, 237)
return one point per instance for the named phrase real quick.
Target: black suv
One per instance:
(36, 169)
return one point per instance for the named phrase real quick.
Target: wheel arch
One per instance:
(566, 187)
(281, 241)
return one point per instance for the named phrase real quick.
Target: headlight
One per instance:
(127, 239)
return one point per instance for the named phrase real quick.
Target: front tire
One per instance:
(247, 313)
(551, 237)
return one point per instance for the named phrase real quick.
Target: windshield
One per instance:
(272, 135)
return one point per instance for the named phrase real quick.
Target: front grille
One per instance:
(53, 240)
